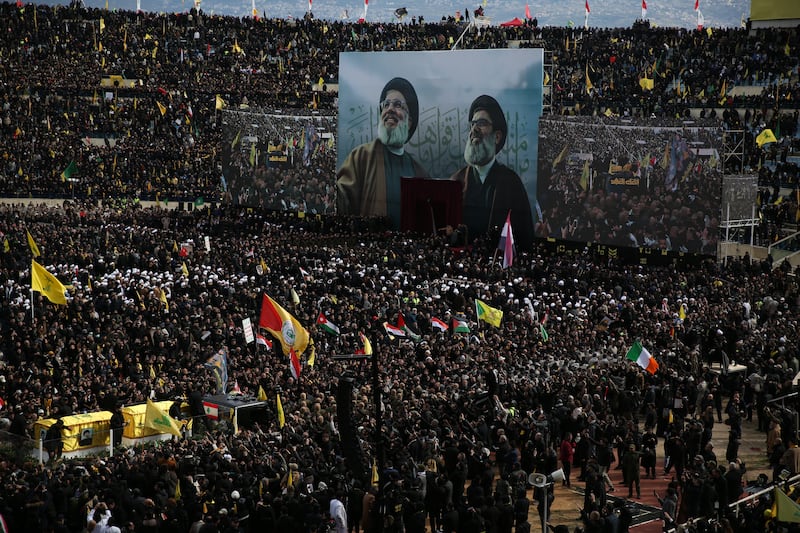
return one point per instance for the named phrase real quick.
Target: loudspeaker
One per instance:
(351, 448)
(537, 480)
(558, 475)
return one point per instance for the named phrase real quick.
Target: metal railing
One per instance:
(783, 399)
(735, 506)
(775, 484)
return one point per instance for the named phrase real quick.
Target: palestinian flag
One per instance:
(327, 325)
(460, 326)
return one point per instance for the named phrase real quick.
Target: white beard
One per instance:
(481, 153)
(395, 137)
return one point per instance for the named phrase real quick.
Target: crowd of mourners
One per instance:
(154, 128)
(466, 416)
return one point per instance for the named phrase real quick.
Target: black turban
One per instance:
(490, 105)
(404, 87)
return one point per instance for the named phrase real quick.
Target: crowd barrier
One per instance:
(737, 506)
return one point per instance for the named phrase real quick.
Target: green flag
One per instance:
(787, 509)
(156, 419)
(71, 170)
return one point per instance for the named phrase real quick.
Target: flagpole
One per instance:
(255, 344)
(379, 449)
(32, 317)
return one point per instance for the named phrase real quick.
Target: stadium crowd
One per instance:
(459, 408)
(619, 185)
(155, 130)
(466, 416)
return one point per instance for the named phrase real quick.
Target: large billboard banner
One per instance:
(739, 197)
(424, 109)
(619, 182)
(276, 161)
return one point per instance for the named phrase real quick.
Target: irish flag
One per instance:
(327, 325)
(439, 324)
(642, 357)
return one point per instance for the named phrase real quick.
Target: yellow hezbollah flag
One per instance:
(281, 416)
(589, 85)
(156, 419)
(45, 283)
(765, 137)
(366, 343)
(584, 183)
(262, 396)
(219, 103)
(32, 244)
(312, 357)
(787, 509)
(374, 478)
(561, 155)
(163, 297)
(665, 159)
(162, 108)
(488, 314)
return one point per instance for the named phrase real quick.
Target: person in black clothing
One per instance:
(450, 519)
(545, 497)
(355, 506)
(676, 453)
(733, 478)
(53, 441)
(624, 514)
(117, 424)
(19, 424)
(649, 443)
(198, 412)
(490, 188)
(521, 506)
